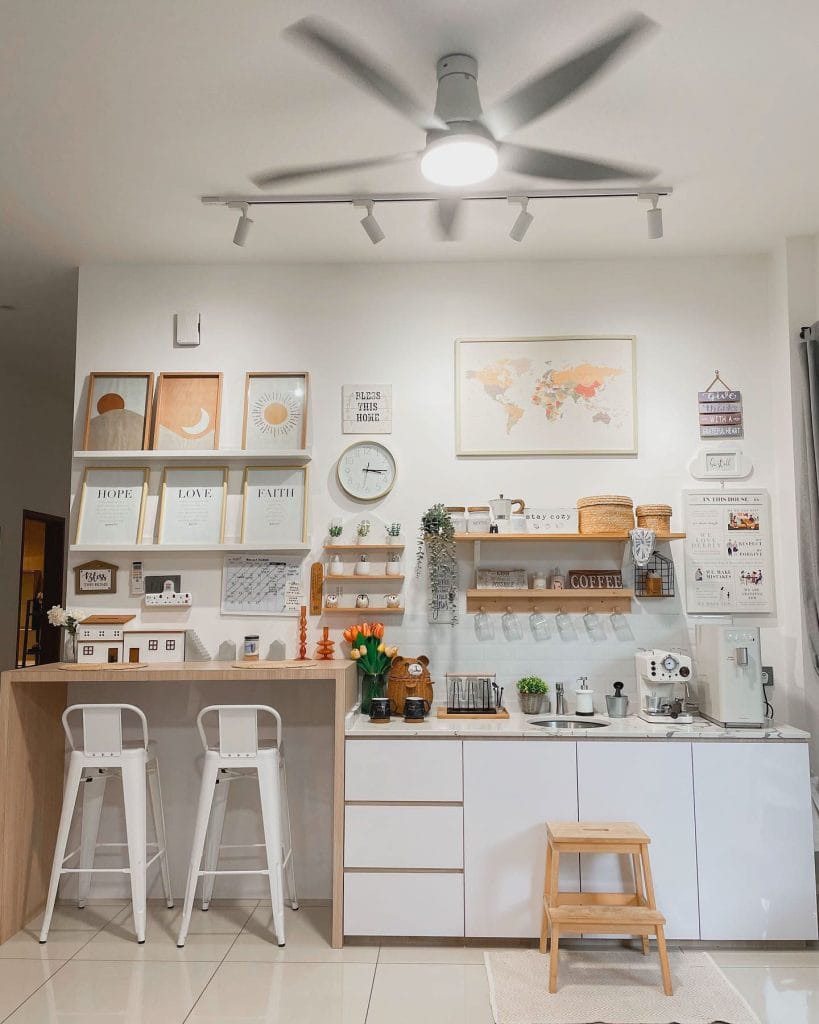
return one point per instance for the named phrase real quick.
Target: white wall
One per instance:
(397, 324)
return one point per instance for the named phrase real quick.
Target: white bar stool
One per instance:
(239, 756)
(103, 752)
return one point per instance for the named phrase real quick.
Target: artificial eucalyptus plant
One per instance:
(437, 541)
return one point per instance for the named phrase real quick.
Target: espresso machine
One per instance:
(729, 675)
(658, 673)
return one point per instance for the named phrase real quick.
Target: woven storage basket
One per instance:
(654, 517)
(605, 513)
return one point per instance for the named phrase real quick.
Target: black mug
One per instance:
(381, 708)
(415, 708)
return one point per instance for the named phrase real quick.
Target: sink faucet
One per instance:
(560, 703)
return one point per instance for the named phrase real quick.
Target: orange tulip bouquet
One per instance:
(374, 658)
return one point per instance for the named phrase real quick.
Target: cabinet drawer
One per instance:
(403, 904)
(403, 837)
(406, 770)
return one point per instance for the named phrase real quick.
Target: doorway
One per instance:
(41, 586)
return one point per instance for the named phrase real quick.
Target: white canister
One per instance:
(458, 515)
(362, 566)
(336, 566)
(479, 519)
(393, 565)
(539, 581)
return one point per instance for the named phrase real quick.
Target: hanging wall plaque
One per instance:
(720, 412)
(366, 408)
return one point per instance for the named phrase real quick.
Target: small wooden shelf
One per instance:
(142, 549)
(598, 600)
(509, 538)
(372, 610)
(373, 577)
(297, 457)
(363, 547)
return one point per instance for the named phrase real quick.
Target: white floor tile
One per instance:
(432, 993)
(116, 992)
(241, 993)
(779, 995)
(19, 978)
(209, 939)
(765, 957)
(431, 955)
(307, 934)
(61, 945)
(69, 918)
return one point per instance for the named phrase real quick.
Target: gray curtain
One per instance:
(809, 491)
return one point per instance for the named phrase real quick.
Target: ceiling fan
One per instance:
(464, 143)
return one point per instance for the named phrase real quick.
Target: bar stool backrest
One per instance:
(238, 728)
(102, 727)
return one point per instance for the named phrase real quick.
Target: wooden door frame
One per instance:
(53, 577)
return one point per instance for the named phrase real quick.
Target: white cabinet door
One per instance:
(651, 784)
(754, 840)
(511, 789)
(403, 903)
(403, 770)
(403, 836)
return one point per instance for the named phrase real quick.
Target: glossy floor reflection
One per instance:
(231, 970)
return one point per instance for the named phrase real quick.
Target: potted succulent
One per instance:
(335, 529)
(531, 693)
(393, 533)
(362, 530)
(437, 542)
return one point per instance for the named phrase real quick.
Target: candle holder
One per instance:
(325, 648)
(303, 634)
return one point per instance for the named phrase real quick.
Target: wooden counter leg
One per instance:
(346, 693)
(32, 766)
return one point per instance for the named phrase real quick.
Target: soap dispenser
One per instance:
(585, 697)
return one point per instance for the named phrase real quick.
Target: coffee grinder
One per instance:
(658, 672)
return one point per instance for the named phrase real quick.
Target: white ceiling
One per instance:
(119, 114)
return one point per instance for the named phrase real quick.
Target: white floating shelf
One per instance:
(298, 457)
(143, 549)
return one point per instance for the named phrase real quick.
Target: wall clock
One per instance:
(366, 470)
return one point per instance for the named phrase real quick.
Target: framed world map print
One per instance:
(275, 417)
(546, 396)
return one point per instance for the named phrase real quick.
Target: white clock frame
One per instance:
(367, 497)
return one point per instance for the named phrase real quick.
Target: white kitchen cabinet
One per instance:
(511, 788)
(404, 903)
(649, 783)
(754, 841)
(403, 836)
(411, 770)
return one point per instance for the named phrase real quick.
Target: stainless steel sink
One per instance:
(569, 723)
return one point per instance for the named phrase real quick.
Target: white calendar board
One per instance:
(261, 585)
(728, 559)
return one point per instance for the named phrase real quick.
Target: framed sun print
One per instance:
(112, 505)
(192, 505)
(573, 395)
(188, 408)
(275, 416)
(118, 412)
(274, 505)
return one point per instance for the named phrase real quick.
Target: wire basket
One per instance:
(655, 578)
(472, 693)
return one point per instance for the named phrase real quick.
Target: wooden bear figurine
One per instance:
(409, 677)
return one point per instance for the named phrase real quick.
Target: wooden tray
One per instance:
(123, 666)
(250, 664)
(499, 714)
(72, 666)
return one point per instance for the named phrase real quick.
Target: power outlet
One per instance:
(767, 675)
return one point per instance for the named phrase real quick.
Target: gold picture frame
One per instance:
(91, 471)
(190, 469)
(305, 475)
(273, 417)
(188, 411)
(117, 412)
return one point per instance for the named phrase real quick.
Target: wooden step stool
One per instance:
(609, 912)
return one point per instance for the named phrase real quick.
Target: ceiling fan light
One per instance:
(459, 160)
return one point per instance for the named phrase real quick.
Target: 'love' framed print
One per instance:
(112, 505)
(275, 417)
(192, 505)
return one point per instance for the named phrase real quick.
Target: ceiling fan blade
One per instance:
(448, 216)
(268, 179)
(545, 91)
(547, 163)
(320, 35)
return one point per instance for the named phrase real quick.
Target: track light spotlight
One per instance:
(654, 216)
(524, 218)
(242, 225)
(370, 224)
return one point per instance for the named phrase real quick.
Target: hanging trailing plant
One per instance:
(437, 542)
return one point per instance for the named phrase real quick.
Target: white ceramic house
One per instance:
(154, 645)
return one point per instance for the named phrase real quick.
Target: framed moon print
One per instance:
(188, 406)
(118, 413)
(275, 418)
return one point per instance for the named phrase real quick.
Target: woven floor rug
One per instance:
(611, 987)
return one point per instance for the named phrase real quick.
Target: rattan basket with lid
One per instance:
(654, 517)
(605, 513)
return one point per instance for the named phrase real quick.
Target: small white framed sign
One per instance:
(192, 505)
(274, 505)
(366, 408)
(551, 520)
(112, 505)
(720, 462)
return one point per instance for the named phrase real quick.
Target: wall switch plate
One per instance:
(767, 675)
(188, 325)
(168, 599)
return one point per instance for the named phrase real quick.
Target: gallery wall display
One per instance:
(112, 505)
(188, 408)
(275, 412)
(571, 395)
(192, 505)
(118, 411)
(366, 408)
(274, 506)
(728, 557)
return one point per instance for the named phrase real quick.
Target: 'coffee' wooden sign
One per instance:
(594, 579)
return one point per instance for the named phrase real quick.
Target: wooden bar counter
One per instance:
(32, 760)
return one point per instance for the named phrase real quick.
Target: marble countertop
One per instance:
(520, 726)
